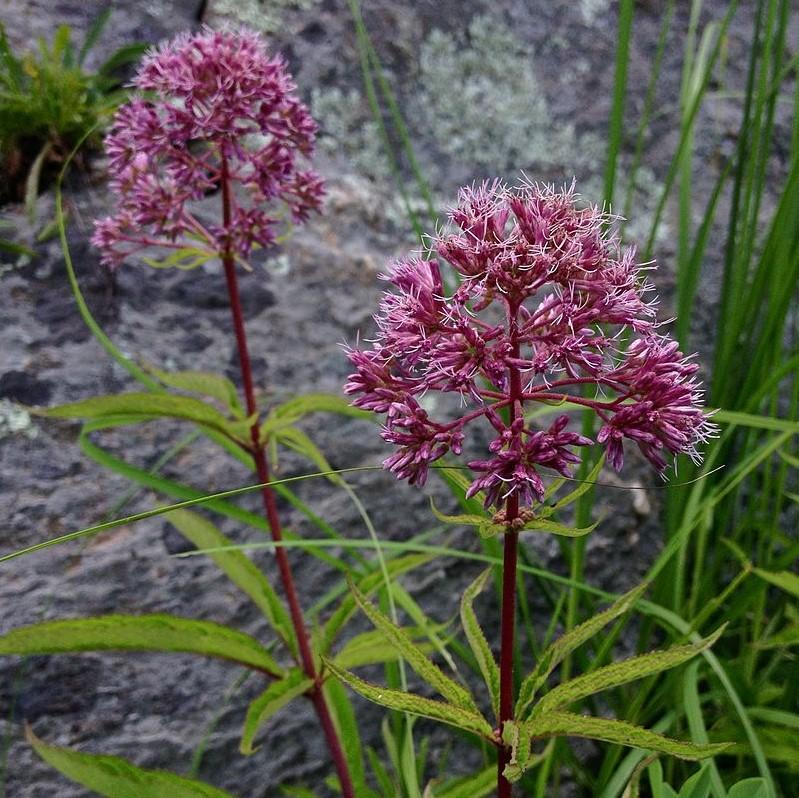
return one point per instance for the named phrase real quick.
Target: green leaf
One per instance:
(239, 568)
(347, 728)
(185, 259)
(366, 585)
(619, 732)
(564, 646)
(16, 249)
(290, 412)
(203, 382)
(416, 658)
(276, 696)
(756, 421)
(582, 488)
(124, 55)
(139, 633)
(477, 786)
(618, 673)
(698, 786)
(144, 406)
(477, 640)
(370, 648)
(461, 520)
(416, 705)
(517, 735)
(118, 778)
(748, 788)
(296, 440)
(298, 792)
(32, 183)
(554, 528)
(93, 34)
(784, 580)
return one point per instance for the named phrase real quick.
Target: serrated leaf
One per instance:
(477, 786)
(206, 383)
(239, 568)
(370, 648)
(459, 520)
(564, 645)
(748, 788)
(619, 732)
(295, 683)
(415, 657)
(366, 585)
(618, 673)
(157, 632)
(488, 529)
(415, 704)
(517, 736)
(555, 528)
(144, 406)
(477, 640)
(115, 777)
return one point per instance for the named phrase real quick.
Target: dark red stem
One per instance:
(270, 508)
(508, 622)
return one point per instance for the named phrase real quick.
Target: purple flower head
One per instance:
(214, 112)
(545, 294)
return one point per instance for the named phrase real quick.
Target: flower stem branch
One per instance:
(270, 508)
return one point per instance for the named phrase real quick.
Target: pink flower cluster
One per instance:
(545, 298)
(214, 108)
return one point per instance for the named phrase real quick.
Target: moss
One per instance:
(261, 15)
(476, 100)
(591, 10)
(15, 420)
(347, 129)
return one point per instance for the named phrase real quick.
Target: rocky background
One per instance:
(488, 88)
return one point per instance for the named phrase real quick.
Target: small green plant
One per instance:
(49, 102)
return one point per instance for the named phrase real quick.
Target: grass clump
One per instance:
(49, 101)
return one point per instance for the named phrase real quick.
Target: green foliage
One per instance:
(139, 407)
(156, 632)
(417, 705)
(118, 778)
(293, 684)
(618, 673)
(239, 568)
(566, 644)
(476, 786)
(49, 101)
(477, 640)
(566, 724)
(402, 641)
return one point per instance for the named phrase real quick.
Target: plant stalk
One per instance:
(510, 557)
(270, 508)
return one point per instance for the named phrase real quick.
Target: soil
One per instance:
(157, 709)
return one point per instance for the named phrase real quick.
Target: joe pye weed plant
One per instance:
(546, 304)
(548, 311)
